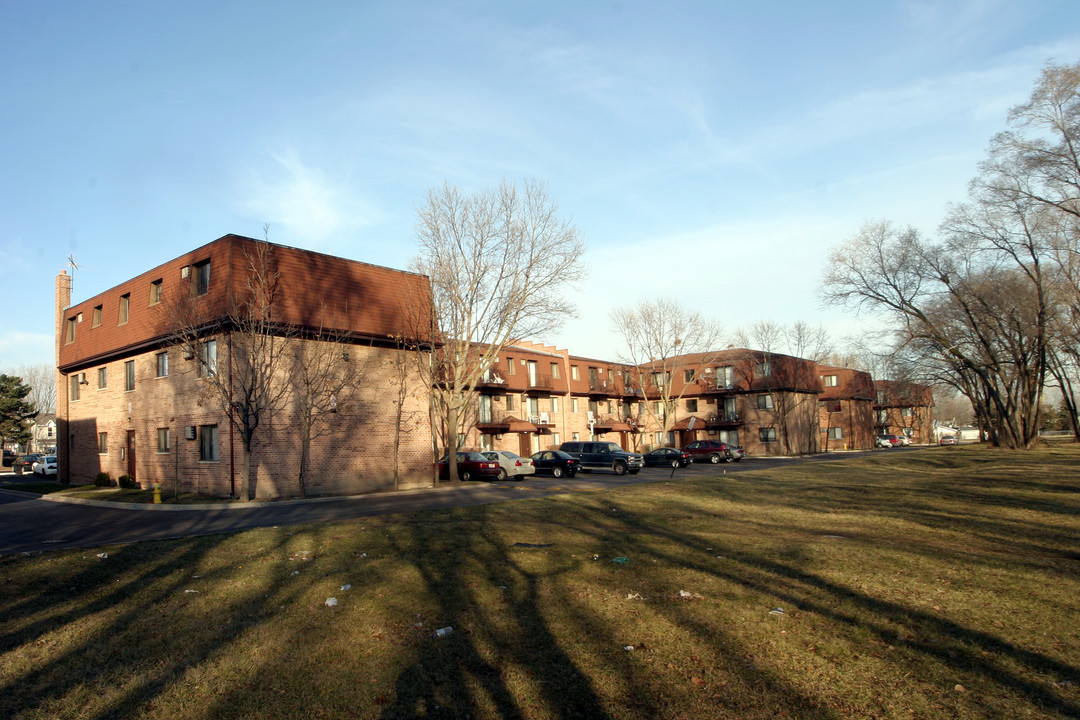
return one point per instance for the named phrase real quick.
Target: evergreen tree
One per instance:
(15, 410)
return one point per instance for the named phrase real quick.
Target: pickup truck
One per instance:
(604, 456)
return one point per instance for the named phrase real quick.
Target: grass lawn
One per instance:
(935, 584)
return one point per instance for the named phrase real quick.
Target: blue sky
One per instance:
(709, 152)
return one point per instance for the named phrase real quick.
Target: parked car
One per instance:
(555, 463)
(470, 465)
(905, 440)
(9, 458)
(46, 466)
(510, 464)
(887, 441)
(25, 463)
(604, 456)
(667, 457)
(948, 440)
(714, 451)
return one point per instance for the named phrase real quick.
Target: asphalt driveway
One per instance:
(29, 523)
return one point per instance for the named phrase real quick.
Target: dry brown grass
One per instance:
(941, 583)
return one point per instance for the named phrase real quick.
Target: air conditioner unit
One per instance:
(189, 432)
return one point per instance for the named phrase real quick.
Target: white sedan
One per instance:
(46, 466)
(511, 465)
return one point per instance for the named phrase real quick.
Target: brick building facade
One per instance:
(846, 414)
(131, 401)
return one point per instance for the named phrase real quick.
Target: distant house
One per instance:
(43, 435)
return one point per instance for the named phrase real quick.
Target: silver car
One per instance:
(511, 464)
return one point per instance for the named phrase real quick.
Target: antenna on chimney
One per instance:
(74, 266)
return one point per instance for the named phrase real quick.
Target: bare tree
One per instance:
(664, 340)
(959, 302)
(501, 263)
(323, 376)
(792, 411)
(42, 382)
(250, 385)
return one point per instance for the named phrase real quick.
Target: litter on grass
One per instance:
(331, 602)
(346, 586)
(191, 591)
(621, 560)
(444, 631)
(689, 595)
(103, 556)
(776, 611)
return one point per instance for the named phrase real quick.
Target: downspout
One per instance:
(232, 426)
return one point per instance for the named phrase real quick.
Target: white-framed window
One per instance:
(102, 378)
(764, 402)
(836, 433)
(162, 364)
(555, 439)
(763, 369)
(103, 443)
(163, 440)
(555, 371)
(573, 405)
(554, 404)
(574, 375)
(129, 375)
(767, 434)
(724, 376)
(155, 292)
(74, 394)
(829, 380)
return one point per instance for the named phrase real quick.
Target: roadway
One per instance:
(29, 523)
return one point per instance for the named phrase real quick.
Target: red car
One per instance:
(470, 465)
(714, 451)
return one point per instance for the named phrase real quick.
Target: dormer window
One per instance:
(201, 281)
(125, 308)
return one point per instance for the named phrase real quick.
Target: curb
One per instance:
(211, 507)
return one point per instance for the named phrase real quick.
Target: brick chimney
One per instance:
(63, 440)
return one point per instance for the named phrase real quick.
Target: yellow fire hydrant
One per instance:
(157, 492)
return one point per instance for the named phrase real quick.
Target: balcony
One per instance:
(713, 385)
(540, 385)
(724, 420)
(604, 388)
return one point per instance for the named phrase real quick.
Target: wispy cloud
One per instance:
(303, 200)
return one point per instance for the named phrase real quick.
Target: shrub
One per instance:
(128, 482)
(102, 479)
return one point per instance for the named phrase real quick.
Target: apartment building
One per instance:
(133, 398)
(536, 397)
(905, 409)
(846, 416)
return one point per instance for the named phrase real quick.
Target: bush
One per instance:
(127, 482)
(102, 479)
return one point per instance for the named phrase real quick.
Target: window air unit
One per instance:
(185, 271)
(189, 432)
